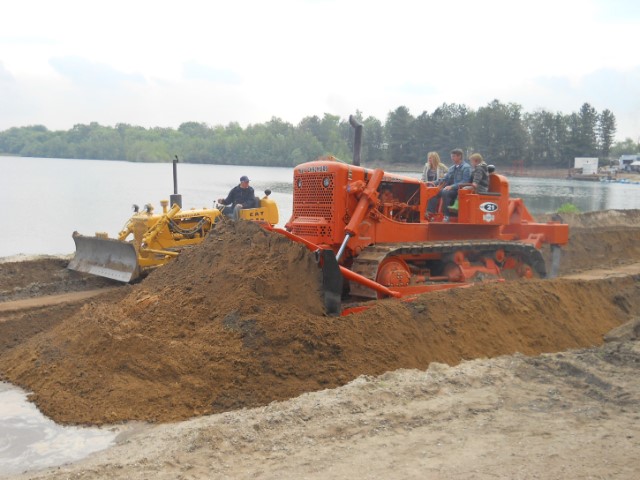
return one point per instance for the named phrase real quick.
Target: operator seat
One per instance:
(494, 182)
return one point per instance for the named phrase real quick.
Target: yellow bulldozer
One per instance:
(150, 239)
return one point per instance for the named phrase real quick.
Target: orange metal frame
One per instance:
(336, 207)
(332, 199)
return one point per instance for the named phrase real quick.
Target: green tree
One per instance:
(499, 133)
(606, 132)
(399, 132)
(542, 138)
(587, 133)
(195, 129)
(573, 145)
(627, 147)
(425, 132)
(373, 141)
(24, 140)
(448, 127)
(332, 137)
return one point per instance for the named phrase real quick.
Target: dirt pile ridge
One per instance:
(599, 240)
(601, 218)
(236, 322)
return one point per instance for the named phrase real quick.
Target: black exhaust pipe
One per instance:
(175, 198)
(357, 141)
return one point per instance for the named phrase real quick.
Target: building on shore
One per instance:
(630, 163)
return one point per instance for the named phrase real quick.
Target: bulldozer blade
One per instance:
(105, 257)
(332, 281)
(555, 261)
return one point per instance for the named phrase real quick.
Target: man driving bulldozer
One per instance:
(241, 196)
(459, 173)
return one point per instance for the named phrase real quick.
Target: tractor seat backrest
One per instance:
(498, 185)
(494, 183)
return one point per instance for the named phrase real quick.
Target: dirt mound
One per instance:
(604, 218)
(238, 266)
(236, 322)
(193, 328)
(600, 239)
(600, 247)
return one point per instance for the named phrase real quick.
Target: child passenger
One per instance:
(480, 174)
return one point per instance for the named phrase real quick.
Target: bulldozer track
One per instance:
(369, 260)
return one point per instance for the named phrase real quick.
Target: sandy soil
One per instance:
(499, 380)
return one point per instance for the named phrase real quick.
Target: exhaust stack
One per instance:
(175, 199)
(357, 141)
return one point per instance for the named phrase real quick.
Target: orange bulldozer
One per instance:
(370, 247)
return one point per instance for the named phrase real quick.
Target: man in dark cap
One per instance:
(241, 196)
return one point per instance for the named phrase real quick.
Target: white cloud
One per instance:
(88, 74)
(161, 63)
(5, 75)
(193, 70)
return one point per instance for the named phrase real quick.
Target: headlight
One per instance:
(326, 181)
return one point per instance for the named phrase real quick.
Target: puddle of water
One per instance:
(30, 441)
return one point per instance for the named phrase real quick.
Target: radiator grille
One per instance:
(313, 205)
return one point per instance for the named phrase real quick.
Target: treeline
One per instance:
(501, 132)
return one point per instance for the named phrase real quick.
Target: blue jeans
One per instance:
(448, 197)
(232, 211)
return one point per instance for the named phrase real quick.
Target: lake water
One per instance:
(45, 200)
(30, 441)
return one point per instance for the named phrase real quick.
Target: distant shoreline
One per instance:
(560, 173)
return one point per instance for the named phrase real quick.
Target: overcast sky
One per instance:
(161, 63)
